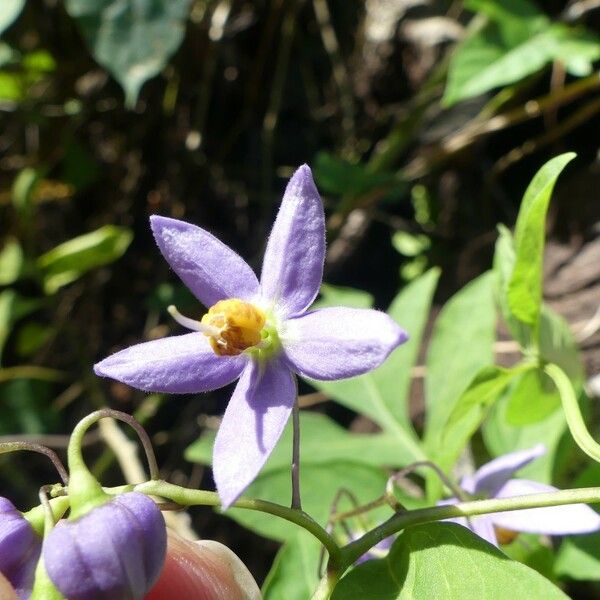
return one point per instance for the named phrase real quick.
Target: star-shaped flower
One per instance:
(261, 332)
(494, 480)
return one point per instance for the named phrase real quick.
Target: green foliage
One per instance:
(461, 345)
(340, 177)
(518, 41)
(132, 40)
(525, 285)
(70, 260)
(382, 394)
(11, 262)
(323, 441)
(294, 574)
(472, 408)
(9, 11)
(532, 398)
(320, 484)
(444, 560)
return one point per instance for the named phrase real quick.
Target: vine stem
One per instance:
(186, 497)
(33, 447)
(575, 421)
(356, 549)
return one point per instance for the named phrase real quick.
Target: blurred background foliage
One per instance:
(423, 121)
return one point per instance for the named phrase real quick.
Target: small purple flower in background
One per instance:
(260, 332)
(115, 551)
(20, 548)
(494, 480)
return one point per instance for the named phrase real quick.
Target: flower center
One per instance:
(239, 325)
(234, 326)
(505, 536)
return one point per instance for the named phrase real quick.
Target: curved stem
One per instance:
(85, 423)
(575, 421)
(186, 497)
(33, 447)
(356, 549)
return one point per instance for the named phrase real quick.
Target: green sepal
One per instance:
(37, 515)
(43, 588)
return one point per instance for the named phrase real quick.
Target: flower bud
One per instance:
(20, 548)
(115, 551)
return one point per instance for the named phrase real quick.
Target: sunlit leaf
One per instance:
(525, 285)
(444, 560)
(294, 574)
(70, 260)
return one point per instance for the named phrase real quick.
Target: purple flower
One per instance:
(20, 548)
(494, 480)
(114, 552)
(260, 332)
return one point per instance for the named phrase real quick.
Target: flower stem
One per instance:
(399, 521)
(575, 421)
(33, 447)
(186, 497)
(296, 501)
(85, 491)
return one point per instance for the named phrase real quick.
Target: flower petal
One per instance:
(293, 264)
(554, 520)
(211, 270)
(181, 364)
(116, 550)
(333, 343)
(490, 477)
(253, 422)
(483, 526)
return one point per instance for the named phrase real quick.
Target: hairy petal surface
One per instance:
(490, 477)
(114, 552)
(553, 520)
(253, 423)
(333, 343)
(181, 364)
(209, 268)
(293, 263)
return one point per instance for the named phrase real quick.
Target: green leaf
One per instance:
(461, 345)
(9, 11)
(501, 438)
(471, 409)
(12, 308)
(294, 574)
(504, 264)
(532, 398)
(25, 406)
(382, 394)
(342, 178)
(525, 285)
(334, 295)
(319, 485)
(11, 262)
(557, 345)
(579, 555)
(444, 560)
(70, 260)
(509, 50)
(132, 40)
(23, 189)
(322, 441)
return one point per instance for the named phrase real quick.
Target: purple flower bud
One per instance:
(20, 548)
(114, 552)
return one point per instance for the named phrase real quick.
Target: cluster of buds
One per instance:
(110, 546)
